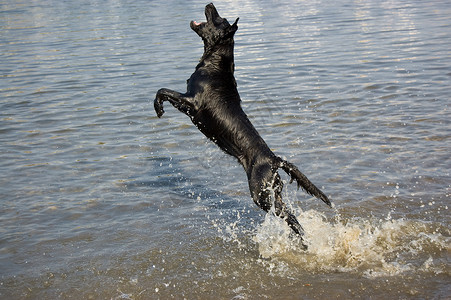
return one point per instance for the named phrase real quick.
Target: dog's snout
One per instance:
(211, 13)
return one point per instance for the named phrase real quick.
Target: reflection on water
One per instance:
(101, 199)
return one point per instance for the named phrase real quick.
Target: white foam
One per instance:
(373, 248)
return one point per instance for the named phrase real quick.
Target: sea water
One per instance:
(100, 199)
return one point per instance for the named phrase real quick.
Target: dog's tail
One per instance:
(302, 180)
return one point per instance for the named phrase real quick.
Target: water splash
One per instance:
(373, 248)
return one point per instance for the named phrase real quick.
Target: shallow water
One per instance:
(101, 199)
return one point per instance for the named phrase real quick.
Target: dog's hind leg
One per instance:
(180, 101)
(259, 186)
(264, 181)
(281, 208)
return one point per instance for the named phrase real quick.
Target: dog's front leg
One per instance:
(180, 101)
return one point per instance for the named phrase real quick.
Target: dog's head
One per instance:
(216, 30)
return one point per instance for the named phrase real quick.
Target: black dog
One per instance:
(213, 104)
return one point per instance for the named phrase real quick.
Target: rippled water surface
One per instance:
(101, 199)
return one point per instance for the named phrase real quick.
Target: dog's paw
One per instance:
(297, 239)
(158, 105)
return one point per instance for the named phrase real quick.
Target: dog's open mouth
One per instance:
(195, 25)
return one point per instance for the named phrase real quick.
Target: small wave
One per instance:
(373, 248)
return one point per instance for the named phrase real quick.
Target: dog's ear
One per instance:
(230, 31)
(234, 25)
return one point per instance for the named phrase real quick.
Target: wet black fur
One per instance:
(213, 104)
